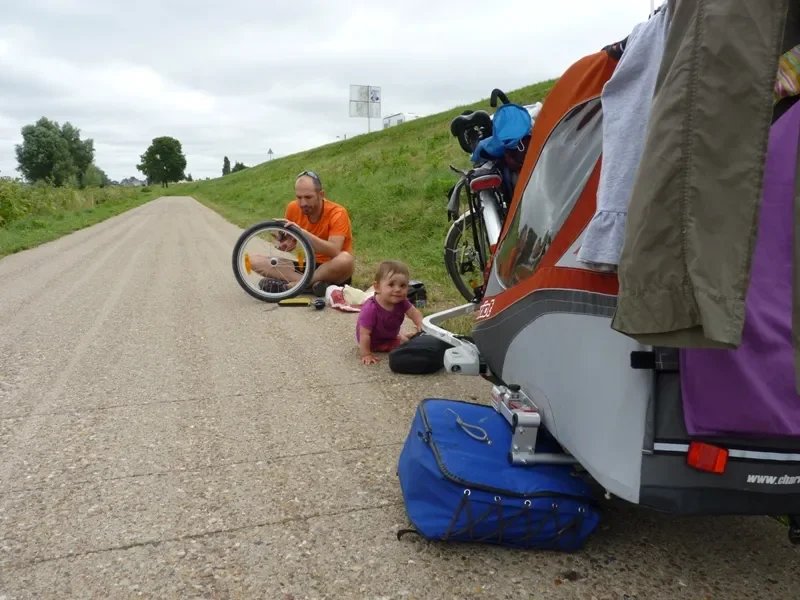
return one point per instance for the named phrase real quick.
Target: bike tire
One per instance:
(459, 227)
(237, 260)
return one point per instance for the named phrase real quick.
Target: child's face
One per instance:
(393, 288)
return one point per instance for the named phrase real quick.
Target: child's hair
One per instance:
(389, 267)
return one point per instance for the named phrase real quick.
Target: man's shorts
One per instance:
(349, 280)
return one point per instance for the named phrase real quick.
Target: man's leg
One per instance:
(336, 271)
(285, 269)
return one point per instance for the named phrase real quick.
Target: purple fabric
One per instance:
(751, 390)
(385, 325)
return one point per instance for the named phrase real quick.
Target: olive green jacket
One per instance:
(693, 212)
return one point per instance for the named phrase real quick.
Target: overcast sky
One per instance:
(239, 77)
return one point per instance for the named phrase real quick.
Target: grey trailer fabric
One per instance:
(685, 263)
(626, 105)
(558, 347)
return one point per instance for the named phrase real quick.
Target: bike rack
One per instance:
(518, 410)
(463, 358)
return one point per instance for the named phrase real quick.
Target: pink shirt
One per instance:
(384, 324)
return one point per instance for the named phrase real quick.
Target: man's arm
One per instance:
(330, 247)
(287, 243)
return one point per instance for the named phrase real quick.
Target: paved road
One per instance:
(164, 435)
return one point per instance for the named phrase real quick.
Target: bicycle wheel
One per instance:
(273, 262)
(462, 258)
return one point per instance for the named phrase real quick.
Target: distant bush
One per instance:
(145, 188)
(18, 199)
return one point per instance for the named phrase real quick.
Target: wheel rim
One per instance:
(258, 258)
(466, 259)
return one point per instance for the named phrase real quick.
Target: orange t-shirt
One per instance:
(334, 221)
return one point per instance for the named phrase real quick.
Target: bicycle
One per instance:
(489, 187)
(280, 251)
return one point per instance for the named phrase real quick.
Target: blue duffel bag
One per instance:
(458, 484)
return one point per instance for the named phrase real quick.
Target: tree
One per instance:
(163, 161)
(94, 177)
(53, 154)
(226, 166)
(81, 151)
(238, 167)
(189, 177)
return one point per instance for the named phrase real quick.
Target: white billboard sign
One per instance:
(365, 101)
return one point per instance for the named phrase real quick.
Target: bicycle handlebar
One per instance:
(459, 171)
(496, 93)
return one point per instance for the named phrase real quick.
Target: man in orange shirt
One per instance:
(327, 226)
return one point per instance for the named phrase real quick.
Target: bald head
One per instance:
(308, 180)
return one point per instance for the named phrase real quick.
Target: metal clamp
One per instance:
(523, 416)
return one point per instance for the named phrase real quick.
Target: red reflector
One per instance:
(485, 182)
(707, 457)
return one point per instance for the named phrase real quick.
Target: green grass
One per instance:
(393, 182)
(35, 215)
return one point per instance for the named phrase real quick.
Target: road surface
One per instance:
(164, 435)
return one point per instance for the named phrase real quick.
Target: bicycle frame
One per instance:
(488, 189)
(486, 207)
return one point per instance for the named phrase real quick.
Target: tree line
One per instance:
(226, 167)
(54, 154)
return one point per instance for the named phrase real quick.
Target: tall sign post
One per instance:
(365, 102)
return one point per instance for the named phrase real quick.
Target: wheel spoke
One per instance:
(271, 261)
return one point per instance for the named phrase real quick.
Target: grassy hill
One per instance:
(394, 183)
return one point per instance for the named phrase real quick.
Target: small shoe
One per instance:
(319, 288)
(273, 286)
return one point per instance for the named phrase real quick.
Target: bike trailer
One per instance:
(684, 430)
(459, 486)
(692, 431)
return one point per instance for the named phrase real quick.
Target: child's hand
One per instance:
(369, 359)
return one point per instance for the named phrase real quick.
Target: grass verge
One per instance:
(43, 226)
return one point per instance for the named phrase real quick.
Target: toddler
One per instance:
(378, 328)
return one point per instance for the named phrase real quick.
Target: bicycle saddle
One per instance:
(471, 128)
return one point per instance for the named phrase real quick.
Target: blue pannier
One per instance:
(458, 484)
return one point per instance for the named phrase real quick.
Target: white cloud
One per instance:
(239, 77)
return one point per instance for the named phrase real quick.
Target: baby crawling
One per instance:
(381, 318)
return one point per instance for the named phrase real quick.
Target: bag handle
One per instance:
(467, 427)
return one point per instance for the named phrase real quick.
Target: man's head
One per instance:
(309, 193)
